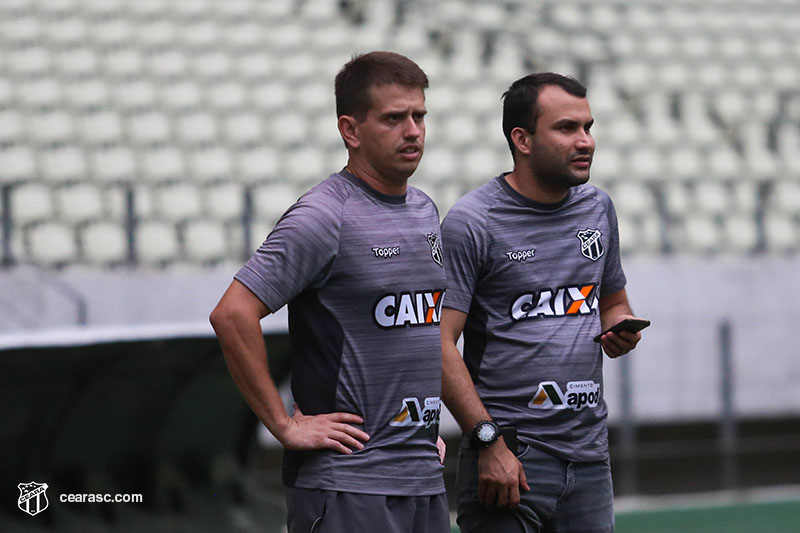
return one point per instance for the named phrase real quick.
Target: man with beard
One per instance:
(534, 275)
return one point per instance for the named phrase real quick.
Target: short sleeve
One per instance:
(613, 275)
(296, 255)
(464, 243)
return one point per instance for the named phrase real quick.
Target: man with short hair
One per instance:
(359, 262)
(534, 275)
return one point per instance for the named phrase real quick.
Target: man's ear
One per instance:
(348, 129)
(521, 140)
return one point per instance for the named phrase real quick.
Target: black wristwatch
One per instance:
(485, 433)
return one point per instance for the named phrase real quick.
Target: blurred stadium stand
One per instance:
(164, 102)
(147, 147)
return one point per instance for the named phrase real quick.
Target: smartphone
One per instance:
(629, 324)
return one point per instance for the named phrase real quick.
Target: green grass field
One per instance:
(764, 517)
(772, 517)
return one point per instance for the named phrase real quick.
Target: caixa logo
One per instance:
(412, 414)
(564, 301)
(422, 308)
(579, 394)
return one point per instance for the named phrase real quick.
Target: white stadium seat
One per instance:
(19, 164)
(178, 202)
(224, 201)
(104, 242)
(205, 240)
(270, 201)
(64, 163)
(52, 243)
(208, 164)
(79, 203)
(696, 110)
(162, 164)
(114, 163)
(31, 202)
(156, 242)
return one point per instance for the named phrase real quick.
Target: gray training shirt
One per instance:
(529, 277)
(363, 275)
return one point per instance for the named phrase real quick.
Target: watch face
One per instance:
(486, 432)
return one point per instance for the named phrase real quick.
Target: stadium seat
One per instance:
(196, 128)
(101, 127)
(51, 127)
(685, 162)
(104, 243)
(269, 96)
(244, 128)
(224, 201)
(739, 232)
(181, 95)
(478, 165)
(438, 164)
(258, 164)
(87, 93)
(31, 202)
(29, 61)
(780, 232)
(647, 163)
(461, 130)
(149, 128)
(254, 66)
(724, 163)
(156, 242)
(66, 31)
(163, 163)
(608, 163)
(40, 93)
(240, 92)
(677, 198)
(177, 202)
(305, 165)
(206, 241)
(18, 164)
(211, 65)
(227, 96)
(51, 243)
(114, 163)
(270, 201)
(65, 163)
(711, 198)
(634, 198)
(699, 233)
(785, 197)
(76, 62)
(287, 128)
(638, 234)
(78, 203)
(134, 95)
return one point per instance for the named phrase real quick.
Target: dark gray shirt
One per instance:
(529, 277)
(363, 276)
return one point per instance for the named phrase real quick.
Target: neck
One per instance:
(527, 185)
(378, 182)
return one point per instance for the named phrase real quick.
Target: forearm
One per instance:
(614, 308)
(245, 354)
(458, 391)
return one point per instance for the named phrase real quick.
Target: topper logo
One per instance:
(386, 252)
(521, 255)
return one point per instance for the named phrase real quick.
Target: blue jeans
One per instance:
(564, 496)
